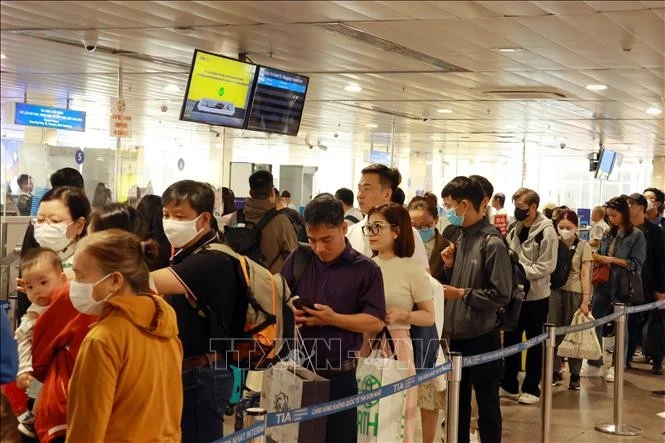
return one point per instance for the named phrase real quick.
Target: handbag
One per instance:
(601, 274)
(629, 287)
(582, 344)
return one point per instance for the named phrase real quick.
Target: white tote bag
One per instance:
(581, 344)
(381, 420)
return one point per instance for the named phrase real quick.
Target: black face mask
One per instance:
(521, 214)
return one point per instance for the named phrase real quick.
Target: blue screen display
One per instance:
(605, 164)
(48, 117)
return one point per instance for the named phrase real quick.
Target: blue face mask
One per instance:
(453, 218)
(427, 234)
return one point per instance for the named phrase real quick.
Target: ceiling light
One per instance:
(508, 49)
(654, 111)
(352, 87)
(171, 88)
(434, 137)
(445, 111)
(3, 56)
(372, 125)
(596, 87)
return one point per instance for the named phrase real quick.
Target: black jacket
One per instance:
(653, 274)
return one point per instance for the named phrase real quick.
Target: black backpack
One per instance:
(564, 261)
(509, 315)
(298, 224)
(245, 237)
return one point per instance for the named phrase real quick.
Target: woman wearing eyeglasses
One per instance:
(406, 283)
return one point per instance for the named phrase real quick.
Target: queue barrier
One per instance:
(257, 430)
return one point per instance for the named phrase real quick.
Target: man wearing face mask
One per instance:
(655, 206)
(535, 240)
(203, 287)
(472, 300)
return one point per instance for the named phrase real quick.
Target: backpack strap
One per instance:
(267, 218)
(351, 218)
(302, 259)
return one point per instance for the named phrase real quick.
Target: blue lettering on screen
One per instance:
(280, 80)
(48, 117)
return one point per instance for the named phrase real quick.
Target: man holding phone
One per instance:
(341, 297)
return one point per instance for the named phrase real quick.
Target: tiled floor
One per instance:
(575, 413)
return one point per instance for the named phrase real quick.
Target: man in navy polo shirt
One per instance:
(346, 289)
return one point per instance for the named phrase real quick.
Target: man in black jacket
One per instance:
(653, 277)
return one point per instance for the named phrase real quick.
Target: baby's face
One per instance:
(39, 280)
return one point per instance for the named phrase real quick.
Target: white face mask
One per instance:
(566, 234)
(180, 233)
(650, 205)
(52, 236)
(81, 296)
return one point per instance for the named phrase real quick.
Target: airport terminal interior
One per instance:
(562, 97)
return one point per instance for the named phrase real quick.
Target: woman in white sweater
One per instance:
(406, 283)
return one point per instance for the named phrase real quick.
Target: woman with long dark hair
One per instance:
(150, 208)
(623, 248)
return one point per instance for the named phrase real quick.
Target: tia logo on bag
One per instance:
(281, 402)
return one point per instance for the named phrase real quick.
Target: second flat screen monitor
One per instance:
(279, 98)
(219, 90)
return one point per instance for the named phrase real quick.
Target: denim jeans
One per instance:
(207, 391)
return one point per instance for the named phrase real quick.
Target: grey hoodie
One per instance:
(538, 259)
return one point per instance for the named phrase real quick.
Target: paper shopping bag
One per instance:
(381, 420)
(288, 385)
(581, 344)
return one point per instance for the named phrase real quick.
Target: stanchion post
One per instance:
(452, 419)
(252, 416)
(618, 428)
(548, 367)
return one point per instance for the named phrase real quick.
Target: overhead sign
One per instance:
(49, 117)
(120, 124)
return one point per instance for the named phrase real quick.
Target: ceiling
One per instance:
(410, 58)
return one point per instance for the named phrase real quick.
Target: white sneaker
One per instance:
(506, 394)
(528, 399)
(591, 371)
(474, 437)
(610, 375)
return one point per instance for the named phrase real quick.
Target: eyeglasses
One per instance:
(374, 228)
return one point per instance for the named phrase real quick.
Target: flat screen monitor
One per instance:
(49, 117)
(218, 90)
(605, 164)
(278, 101)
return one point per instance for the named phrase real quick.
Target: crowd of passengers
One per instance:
(113, 345)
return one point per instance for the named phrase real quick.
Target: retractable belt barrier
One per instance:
(335, 406)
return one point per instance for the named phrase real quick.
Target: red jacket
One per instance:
(56, 340)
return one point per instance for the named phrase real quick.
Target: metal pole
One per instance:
(252, 416)
(548, 367)
(454, 380)
(618, 428)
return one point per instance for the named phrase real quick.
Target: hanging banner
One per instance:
(120, 124)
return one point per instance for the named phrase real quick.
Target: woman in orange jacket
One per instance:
(126, 385)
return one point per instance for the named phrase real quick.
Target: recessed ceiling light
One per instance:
(445, 111)
(171, 88)
(3, 56)
(352, 87)
(654, 111)
(596, 87)
(508, 49)
(372, 125)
